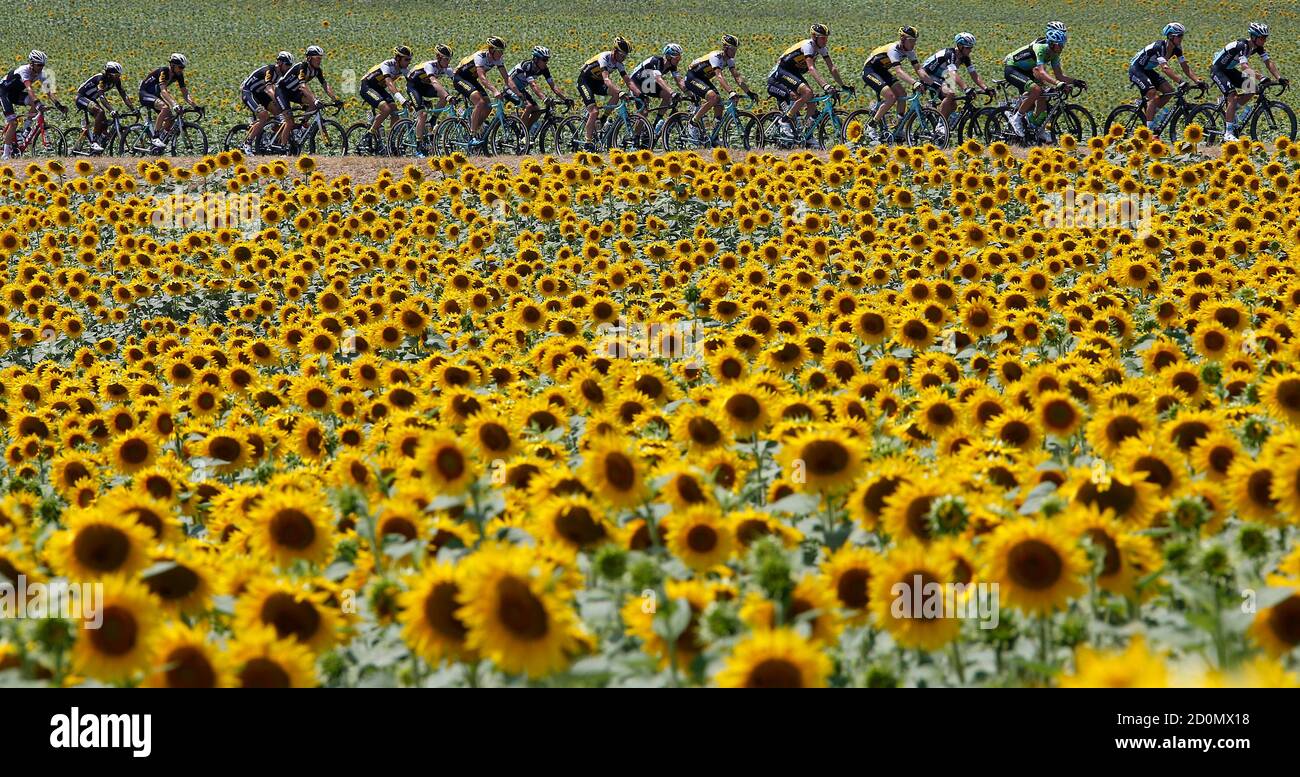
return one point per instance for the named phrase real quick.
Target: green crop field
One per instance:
(224, 41)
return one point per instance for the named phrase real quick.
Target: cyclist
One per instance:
(594, 79)
(92, 97)
(292, 87)
(471, 80)
(1144, 69)
(523, 77)
(650, 76)
(257, 93)
(1233, 75)
(425, 87)
(379, 88)
(699, 81)
(883, 71)
(155, 94)
(19, 88)
(1026, 69)
(788, 80)
(946, 65)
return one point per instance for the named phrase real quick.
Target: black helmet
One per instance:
(730, 40)
(818, 30)
(402, 51)
(443, 50)
(497, 43)
(908, 31)
(621, 44)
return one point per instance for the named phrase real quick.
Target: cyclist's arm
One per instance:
(1060, 75)
(1041, 76)
(979, 80)
(35, 93)
(537, 90)
(329, 90)
(817, 76)
(664, 88)
(961, 82)
(903, 75)
(557, 91)
(1273, 70)
(627, 81)
(125, 100)
(740, 81)
(726, 85)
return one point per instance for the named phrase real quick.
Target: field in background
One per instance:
(225, 41)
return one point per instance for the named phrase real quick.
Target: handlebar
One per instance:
(1281, 85)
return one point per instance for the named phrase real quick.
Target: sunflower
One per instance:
(184, 658)
(1124, 557)
(98, 543)
(1134, 667)
(292, 609)
(1250, 485)
(778, 658)
(1057, 414)
(182, 580)
(430, 624)
(516, 611)
(883, 477)
(639, 619)
(700, 536)
(1037, 568)
(133, 452)
(1112, 425)
(1277, 628)
(906, 513)
(1280, 394)
(444, 463)
(122, 643)
(615, 472)
(698, 427)
(894, 593)
(849, 572)
(822, 459)
(258, 658)
(286, 526)
(745, 407)
(572, 521)
(1157, 461)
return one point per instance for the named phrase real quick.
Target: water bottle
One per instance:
(659, 125)
(1244, 114)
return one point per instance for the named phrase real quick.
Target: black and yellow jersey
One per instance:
(796, 58)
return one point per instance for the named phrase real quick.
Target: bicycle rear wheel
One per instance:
(631, 135)
(1209, 119)
(235, 138)
(926, 126)
(136, 141)
(1085, 126)
(362, 141)
(737, 131)
(402, 139)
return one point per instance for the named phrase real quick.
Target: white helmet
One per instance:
(37, 57)
(113, 68)
(179, 59)
(315, 51)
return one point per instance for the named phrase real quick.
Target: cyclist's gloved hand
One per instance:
(1284, 81)
(751, 94)
(1079, 82)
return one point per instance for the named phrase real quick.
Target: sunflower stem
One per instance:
(955, 648)
(758, 457)
(1044, 629)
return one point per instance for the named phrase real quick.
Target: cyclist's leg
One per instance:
(889, 93)
(11, 123)
(588, 89)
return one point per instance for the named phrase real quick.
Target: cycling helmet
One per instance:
(113, 69)
(1258, 30)
(672, 50)
(1173, 28)
(541, 52)
(908, 31)
(818, 30)
(621, 44)
(496, 43)
(964, 39)
(1056, 26)
(284, 58)
(37, 57)
(731, 40)
(443, 50)
(1056, 36)
(180, 61)
(402, 51)
(315, 51)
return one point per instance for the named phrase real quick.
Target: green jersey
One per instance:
(1038, 53)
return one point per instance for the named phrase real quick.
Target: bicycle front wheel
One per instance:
(402, 139)
(362, 141)
(1209, 119)
(926, 126)
(329, 138)
(1128, 117)
(190, 140)
(1083, 125)
(74, 141)
(737, 130)
(235, 138)
(136, 141)
(631, 135)
(1271, 121)
(509, 137)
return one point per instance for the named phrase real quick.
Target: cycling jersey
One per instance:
(797, 58)
(527, 72)
(468, 67)
(703, 67)
(13, 83)
(298, 75)
(386, 69)
(645, 75)
(945, 61)
(890, 54)
(156, 80)
(1036, 54)
(263, 76)
(98, 85)
(1155, 55)
(1234, 55)
(596, 67)
(425, 71)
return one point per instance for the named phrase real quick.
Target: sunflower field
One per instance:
(226, 41)
(656, 420)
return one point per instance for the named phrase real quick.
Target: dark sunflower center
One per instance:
(292, 528)
(440, 611)
(289, 616)
(101, 548)
(1035, 565)
(189, 668)
(117, 634)
(520, 611)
